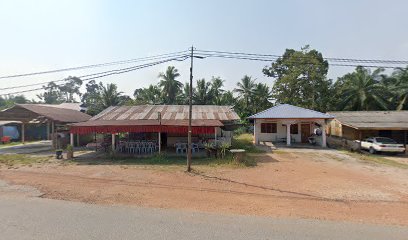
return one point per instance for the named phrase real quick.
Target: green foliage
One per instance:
(12, 100)
(170, 86)
(245, 141)
(301, 79)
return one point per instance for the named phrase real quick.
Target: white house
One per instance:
(290, 124)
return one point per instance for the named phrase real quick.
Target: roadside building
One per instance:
(42, 121)
(166, 125)
(290, 124)
(358, 125)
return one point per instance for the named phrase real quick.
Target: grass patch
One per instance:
(245, 141)
(21, 159)
(163, 160)
(378, 159)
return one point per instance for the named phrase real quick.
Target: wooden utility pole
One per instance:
(190, 112)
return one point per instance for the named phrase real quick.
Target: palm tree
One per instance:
(245, 89)
(184, 96)
(363, 90)
(399, 86)
(261, 97)
(216, 90)
(202, 93)
(170, 86)
(228, 99)
(109, 95)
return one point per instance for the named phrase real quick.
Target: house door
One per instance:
(305, 132)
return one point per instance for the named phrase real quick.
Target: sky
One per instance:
(44, 35)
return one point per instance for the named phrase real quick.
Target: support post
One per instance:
(53, 134)
(324, 135)
(405, 141)
(71, 139)
(113, 142)
(48, 131)
(159, 134)
(215, 134)
(77, 137)
(23, 133)
(159, 142)
(288, 134)
(190, 112)
(255, 134)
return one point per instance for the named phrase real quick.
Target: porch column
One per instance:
(23, 133)
(113, 142)
(288, 134)
(324, 135)
(255, 134)
(53, 134)
(71, 139)
(159, 136)
(78, 144)
(215, 134)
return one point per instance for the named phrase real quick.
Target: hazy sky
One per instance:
(40, 35)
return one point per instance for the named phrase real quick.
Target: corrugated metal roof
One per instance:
(373, 119)
(28, 112)
(149, 122)
(287, 111)
(168, 112)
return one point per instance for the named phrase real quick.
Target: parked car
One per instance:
(382, 144)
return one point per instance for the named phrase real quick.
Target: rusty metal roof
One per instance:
(149, 122)
(373, 119)
(178, 113)
(30, 112)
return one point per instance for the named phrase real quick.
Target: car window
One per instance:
(385, 140)
(369, 140)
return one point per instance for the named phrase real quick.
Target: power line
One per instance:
(113, 72)
(67, 79)
(174, 54)
(297, 61)
(326, 58)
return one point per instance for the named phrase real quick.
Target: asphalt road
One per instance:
(36, 218)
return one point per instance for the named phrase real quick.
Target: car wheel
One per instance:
(372, 150)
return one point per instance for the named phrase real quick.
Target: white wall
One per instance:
(274, 137)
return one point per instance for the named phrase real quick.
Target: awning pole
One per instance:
(23, 133)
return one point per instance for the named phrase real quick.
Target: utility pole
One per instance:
(190, 112)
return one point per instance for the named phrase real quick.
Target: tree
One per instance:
(184, 96)
(398, 84)
(52, 94)
(12, 100)
(300, 78)
(202, 93)
(261, 97)
(170, 86)
(70, 89)
(228, 99)
(216, 90)
(110, 96)
(91, 97)
(362, 90)
(149, 95)
(245, 89)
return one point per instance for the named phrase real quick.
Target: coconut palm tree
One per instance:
(399, 87)
(109, 95)
(170, 86)
(363, 90)
(245, 89)
(202, 93)
(216, 90)
(228, 98)
(261, 97)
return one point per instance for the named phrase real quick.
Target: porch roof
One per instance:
(287, 111)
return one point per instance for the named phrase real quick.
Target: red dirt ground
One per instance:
(318, 184)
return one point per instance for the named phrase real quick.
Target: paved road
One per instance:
(36, 218)
(30, 147)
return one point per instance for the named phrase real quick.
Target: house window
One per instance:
(294, 129)
(268, 127)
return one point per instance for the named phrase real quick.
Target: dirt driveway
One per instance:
(320, 184)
